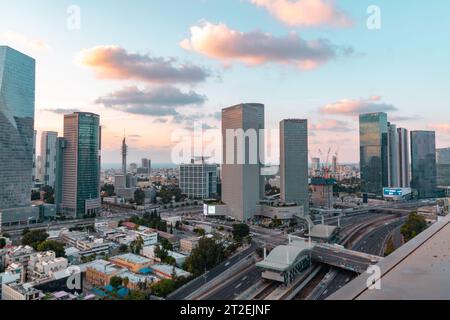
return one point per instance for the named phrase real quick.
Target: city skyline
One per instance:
(199, 81)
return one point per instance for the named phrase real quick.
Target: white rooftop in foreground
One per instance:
(281, 258)
(420, 270)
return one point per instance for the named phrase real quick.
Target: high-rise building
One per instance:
(423, 163)
(393, 157)
(81, 165)
(124, 151)
(17, 99)
(315, 166)
(373, 129)
(403, 158)
(48, 154)
(334, 165)
(443, 167)
(199, 180)
(294, 162)
(242, 182)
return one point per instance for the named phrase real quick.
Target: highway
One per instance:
(195, 284)
(371, 243)
(237, 285)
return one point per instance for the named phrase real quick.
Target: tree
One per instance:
(164, 287)
(2, 243)
(166, 244)
(136, 295)
(35, 195)
(123, 248)
(161, 253)
(240, 231)
(125, 282)
(136, 245)
(51, 245)
(116, 282)
(200, 232)
(49, 193)
(413, 226)
(139, 197)
(108, 190)
(34, 238)
(206, 256)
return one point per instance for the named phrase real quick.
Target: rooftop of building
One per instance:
(104, 267)
(137, 278)
(168, 269)
(281, 258)
(131, 258)
(419, 270)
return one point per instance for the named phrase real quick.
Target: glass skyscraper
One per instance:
(294, 162)
(443, 167)
(81, 165)
(17, 99)
(423, 163)
(374, 153)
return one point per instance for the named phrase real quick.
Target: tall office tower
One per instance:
(294, 162)
(334, 165)
(315, 166)
(373, 131)
(146, 166)
(124, 151)
(393, 156)
(48, 154)
(59, 176)
(423, 163)
(17, 98)
(443, 167)
(403, 158)
(81, 165)
(199, 180)
(241, 170)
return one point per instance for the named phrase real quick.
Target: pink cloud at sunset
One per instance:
(115, 63)
(254, 48)
(306, 13)
(348, 107)
(440, 127)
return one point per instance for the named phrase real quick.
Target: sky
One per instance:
(151, 68)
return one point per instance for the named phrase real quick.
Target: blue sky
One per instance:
(405, 65)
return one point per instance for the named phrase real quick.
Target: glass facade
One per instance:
(198, 181)
(81, 165)
(443, 167)
(374, 153)
(423, 163)
(88, 160)
(17, 99)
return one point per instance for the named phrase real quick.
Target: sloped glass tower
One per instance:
(17, 99)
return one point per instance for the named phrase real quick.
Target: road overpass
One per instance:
(342, 258)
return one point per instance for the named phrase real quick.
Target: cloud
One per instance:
(161, 120)
(306, 13)
(405, 118)
(62, 111)
(113, 62)
(18, 39)
(219, 42)
(348, 107)
(159, 101)
(440, 127)
(331, 125)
